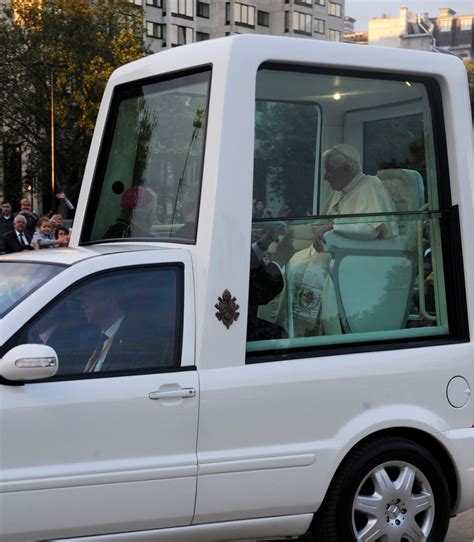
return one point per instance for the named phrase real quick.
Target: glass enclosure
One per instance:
(346, 211)
(148, 181)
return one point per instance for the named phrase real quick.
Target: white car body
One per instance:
(253, 453)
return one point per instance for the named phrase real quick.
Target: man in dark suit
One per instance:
(130, 338)
(6, 221)
(18, 239)
(266, 282)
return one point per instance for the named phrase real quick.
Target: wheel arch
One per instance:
(422, 438)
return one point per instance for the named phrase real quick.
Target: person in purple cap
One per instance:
(138, 214)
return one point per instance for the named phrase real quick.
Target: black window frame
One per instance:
(249, 7)
(179, 336)
(185, 28)
(153, 35)
(104, 151)
(317, 24)
(337, 8)
(451, 244)
(297, 16)
(201, 10)
(183, 15)
(336, 32)
(263, 18)
(203, 36)
(155, 3)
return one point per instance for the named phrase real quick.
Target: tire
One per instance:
(387, 490)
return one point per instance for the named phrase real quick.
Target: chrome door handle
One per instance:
(180, 393)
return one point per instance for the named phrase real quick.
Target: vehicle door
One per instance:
(109, 443)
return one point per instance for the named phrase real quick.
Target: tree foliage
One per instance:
(470, 75)
(80, 43)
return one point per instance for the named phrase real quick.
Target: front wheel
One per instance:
(387, 490)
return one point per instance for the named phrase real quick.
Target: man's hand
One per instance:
(318, 241)
(285, 249)
(266, 238)
(61, 195)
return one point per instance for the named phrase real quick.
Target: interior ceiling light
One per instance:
(407, 83)
(337, 96)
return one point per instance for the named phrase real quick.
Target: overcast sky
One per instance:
(363, 10)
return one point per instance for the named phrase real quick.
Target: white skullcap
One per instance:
(349, 151)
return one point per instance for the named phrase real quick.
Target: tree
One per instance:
(76, 45)
(470, 75)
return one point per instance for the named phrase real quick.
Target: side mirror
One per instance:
(29, 362)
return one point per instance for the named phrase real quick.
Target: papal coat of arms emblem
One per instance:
(227, 309)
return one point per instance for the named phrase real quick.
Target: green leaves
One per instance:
(75, 46)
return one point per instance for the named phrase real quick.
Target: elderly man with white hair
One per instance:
(354, 193)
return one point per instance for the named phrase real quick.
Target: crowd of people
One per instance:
(25, 230)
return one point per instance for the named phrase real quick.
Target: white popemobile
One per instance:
(178, 374)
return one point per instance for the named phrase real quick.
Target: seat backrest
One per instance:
(405, 186)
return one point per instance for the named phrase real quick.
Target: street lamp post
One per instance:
(52, 66)
(52, 126)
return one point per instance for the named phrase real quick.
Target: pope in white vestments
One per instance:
(354, 193)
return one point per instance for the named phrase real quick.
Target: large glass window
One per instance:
(147, 184)
(19, 280)
(119, 321)
(350, 215)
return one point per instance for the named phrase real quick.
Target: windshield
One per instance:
(148, 181)
(19, 280)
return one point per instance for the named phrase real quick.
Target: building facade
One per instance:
(170, 23)
(448, 32)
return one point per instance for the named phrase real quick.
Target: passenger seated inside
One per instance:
(266, 282)
(138, 214)
(354, 193)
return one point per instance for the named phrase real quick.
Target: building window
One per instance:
(445, 25)
(155, 30)
(155, 3)
(136, 2)
(202, 36)
(182, 8)
(334, 35)
(287, 21)
(181, 35)
(319, 26)
(320, 2)
(466, 24)
(304, 2)
(302, 22)
(202, 10)
(244, 15)
(334, 9)
(263, 18)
